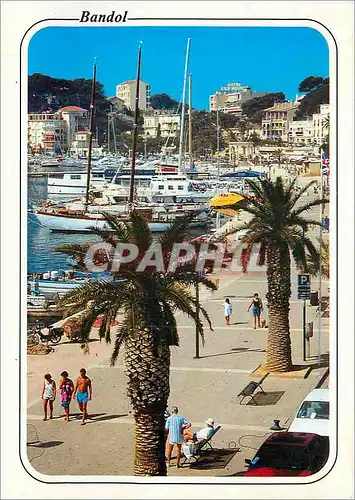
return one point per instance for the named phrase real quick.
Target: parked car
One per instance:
(289, 454)
(313, 414)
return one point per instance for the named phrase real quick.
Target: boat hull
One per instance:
(59, 223)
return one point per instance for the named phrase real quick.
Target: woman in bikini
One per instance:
(256, 306)
(48, 395)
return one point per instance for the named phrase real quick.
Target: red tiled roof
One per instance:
(72, 108)
(128, 81)
(82, 132)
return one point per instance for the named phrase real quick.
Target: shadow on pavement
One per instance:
(243, 349)
(265, 398)
(214, 459)
(104, 418)
(236, 350)
(91, 415)
(48, 444)
(77, 341)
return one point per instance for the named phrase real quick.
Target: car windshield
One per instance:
(314, 409)
(284, 457)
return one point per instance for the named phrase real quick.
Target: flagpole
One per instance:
(320, 262)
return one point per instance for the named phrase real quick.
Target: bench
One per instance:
(199, 447)
(250, 388)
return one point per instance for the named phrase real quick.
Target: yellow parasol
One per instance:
(226, 203)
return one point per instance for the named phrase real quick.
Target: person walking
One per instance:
(256, 307)
(48, 395)
(83, 393)
(66, 388)
(227, 311)
(174, 427)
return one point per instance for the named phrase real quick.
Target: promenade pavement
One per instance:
(201, 388)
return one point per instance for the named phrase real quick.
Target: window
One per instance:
(160, 186)
(56, 176)
(180, 188)
(315, 410)
(170, 188)
(75, 177)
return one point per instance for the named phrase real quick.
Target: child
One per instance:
(66, 388)
(48, 395)
(227, 311)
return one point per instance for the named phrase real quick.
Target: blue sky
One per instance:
(269, 59)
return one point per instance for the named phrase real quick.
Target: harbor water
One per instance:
(41, 242)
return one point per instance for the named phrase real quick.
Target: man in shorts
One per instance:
(83, 393)
(174, 428)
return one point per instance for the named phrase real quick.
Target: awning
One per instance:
(243, 174)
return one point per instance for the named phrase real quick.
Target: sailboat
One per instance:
(84, 216)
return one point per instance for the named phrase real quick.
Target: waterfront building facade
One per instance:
(163, 123)
(47, 133)
(301, 133)
(54, 132)
(275, 123)
(80, 144)
(321, 124)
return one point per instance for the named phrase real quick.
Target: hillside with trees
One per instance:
(164, 101)
(50, 94)
(317, 93)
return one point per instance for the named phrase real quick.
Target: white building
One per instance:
(80, 144)
(301, 132)
(54, 132)
(127, 92)
(169, 124)
(275, 123)
(76, 119)
(47, 133)
(229, 99)
(321, 124)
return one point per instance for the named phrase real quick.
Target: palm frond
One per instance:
(139, 231)
(308, 206)
(121, 336)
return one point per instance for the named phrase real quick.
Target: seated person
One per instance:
(203, 433)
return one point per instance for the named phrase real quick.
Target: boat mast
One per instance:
(91, 133)
(183, 105)
(135, 129)
(218, 217)
(108, 132)
(190, 122)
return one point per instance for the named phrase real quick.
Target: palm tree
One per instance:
(313, 266)
(147, 300)
(279, 227)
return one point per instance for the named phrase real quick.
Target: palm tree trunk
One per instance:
(148, 389)
(278, 351)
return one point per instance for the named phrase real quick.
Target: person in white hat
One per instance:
(203, 433)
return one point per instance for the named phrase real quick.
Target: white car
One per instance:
(313, 414)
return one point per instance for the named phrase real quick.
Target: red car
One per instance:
(290, 454)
